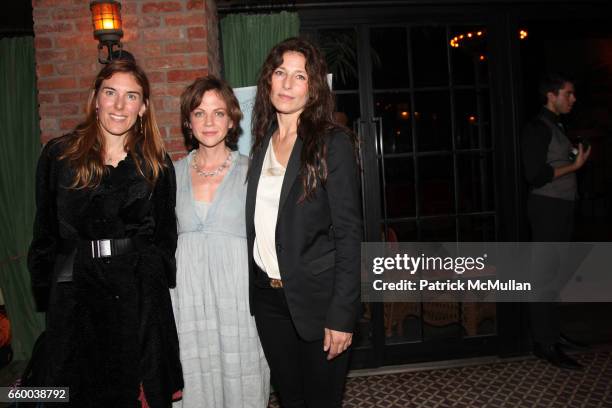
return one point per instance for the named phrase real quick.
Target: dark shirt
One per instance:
(535, 139)
(123, 205)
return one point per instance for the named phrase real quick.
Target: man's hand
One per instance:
(336, 342)
(582, 156)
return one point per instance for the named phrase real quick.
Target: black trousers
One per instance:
(551, 220)
(300, 370)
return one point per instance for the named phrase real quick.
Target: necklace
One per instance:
(213, 173)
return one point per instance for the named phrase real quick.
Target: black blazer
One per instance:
(317, 240)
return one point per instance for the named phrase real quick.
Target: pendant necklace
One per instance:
(213, 173)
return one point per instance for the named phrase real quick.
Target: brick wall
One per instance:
(174, 41)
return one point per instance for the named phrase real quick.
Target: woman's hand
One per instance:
(336, 342)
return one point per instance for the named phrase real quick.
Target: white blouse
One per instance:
(266, 213)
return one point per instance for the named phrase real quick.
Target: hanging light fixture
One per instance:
(106, 19)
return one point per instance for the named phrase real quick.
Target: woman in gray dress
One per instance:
(223, 364)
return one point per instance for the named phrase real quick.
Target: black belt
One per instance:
(96, 249)
(262, 280)
(105, 248)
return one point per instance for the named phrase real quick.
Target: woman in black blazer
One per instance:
(304, 228)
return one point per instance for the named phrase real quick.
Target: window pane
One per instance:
(389, 51)
(402, 232)
(429, 56)
(475, 177)
(399, 187)
(340, 49)
(363, 329)
(472, 119)
(402, 322)
(466, 57)
(441, 320)
(394, 110)
(433, 124)
(347, 109)
(436, 191)
(479, 319)
(438, 230)
(477, 228)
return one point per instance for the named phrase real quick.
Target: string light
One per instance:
(456, 41)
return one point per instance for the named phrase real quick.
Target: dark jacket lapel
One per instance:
(293, 168)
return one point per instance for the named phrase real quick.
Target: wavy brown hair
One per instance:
(84, 148)
(191, 98)
(316, 120)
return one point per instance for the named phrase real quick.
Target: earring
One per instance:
(141, 129)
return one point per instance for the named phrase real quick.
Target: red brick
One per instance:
(150, 49)
(50, 3)
(84, 26)
(57, 83)
(47, 124)
(40, 15)
(163, 34)
(87, 81)
(175, 144)
(190, 19)
(199, 60)
(195, 5)
(175, 131)
(168, 118)
(130, 35)
(75, 40)
(46, 56)
(181, 75)
(162, 6)
(76, 68)
(42, 42)
(149, 21)
(44, 97)
(177, 61)
(54, 28)
(172, 104)
(78, 97)
(69, 124)
(156, 76)
(58, 110)
(185, 47)
(44, 70)
(196, 32)
(130, 7)
(70, 13)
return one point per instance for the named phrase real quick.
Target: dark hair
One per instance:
(191, 98)
(85, 147)
(316, 120)
(552, 82)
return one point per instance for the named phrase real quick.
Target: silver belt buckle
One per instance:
(101, 248)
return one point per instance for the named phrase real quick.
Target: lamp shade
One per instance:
(106, 19)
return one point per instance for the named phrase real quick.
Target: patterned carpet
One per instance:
(527, 383)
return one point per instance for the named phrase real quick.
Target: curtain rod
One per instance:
(295, 5)
(237, 8)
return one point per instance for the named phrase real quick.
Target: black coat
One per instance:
(110, 328)
(317, 240)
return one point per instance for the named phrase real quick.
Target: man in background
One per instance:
(550, 171)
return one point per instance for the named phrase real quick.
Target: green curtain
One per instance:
(247, 39)
(19, 151)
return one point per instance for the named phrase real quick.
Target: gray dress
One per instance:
(223, 363)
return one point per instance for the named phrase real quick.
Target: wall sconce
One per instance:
(106, 19)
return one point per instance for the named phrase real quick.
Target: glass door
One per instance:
(419, 98)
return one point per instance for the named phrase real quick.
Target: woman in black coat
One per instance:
(304, 228)
(102, 255)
